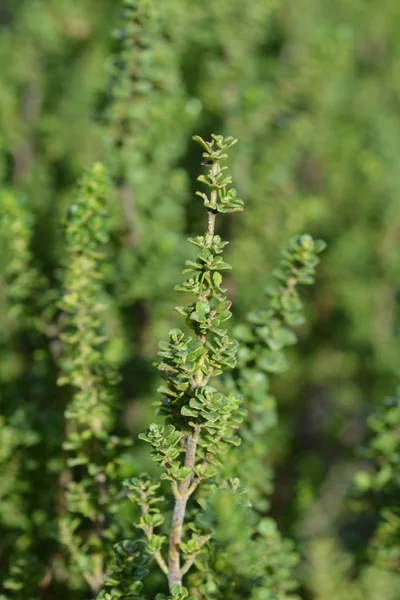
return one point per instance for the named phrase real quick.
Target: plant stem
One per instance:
(178, 516)
(186, 489)
(211, 224)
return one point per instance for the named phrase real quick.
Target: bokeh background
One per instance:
(312, 91)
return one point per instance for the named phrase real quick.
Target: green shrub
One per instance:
(310, 90)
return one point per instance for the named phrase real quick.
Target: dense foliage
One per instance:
(274, 463)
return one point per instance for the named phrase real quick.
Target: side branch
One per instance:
(148, 531)
(160, 561)
(190, 560)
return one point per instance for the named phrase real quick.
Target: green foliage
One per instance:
(24, 283)
(263, 337)
(128, 571)
(200, 421)
(83, 302)
(24, 579)
(27, 438)
(331, 575)
(92, 446)
(266, 572)
(380, 489)
(249, 558)
(310, 90)
(146, 116)
(192, 446)
(177, 593)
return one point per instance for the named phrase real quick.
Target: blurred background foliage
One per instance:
(312, 90)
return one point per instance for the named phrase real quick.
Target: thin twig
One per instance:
(148, 531)
(190, 560)
(160, 561)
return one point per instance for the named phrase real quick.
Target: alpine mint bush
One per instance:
(28, 439)
(92, 447)
(263, 338)
(300, 84)
(182, 531)
(200, 422)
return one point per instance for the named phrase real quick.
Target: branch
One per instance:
(190, 560)
(160, 561)
(148, 531)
